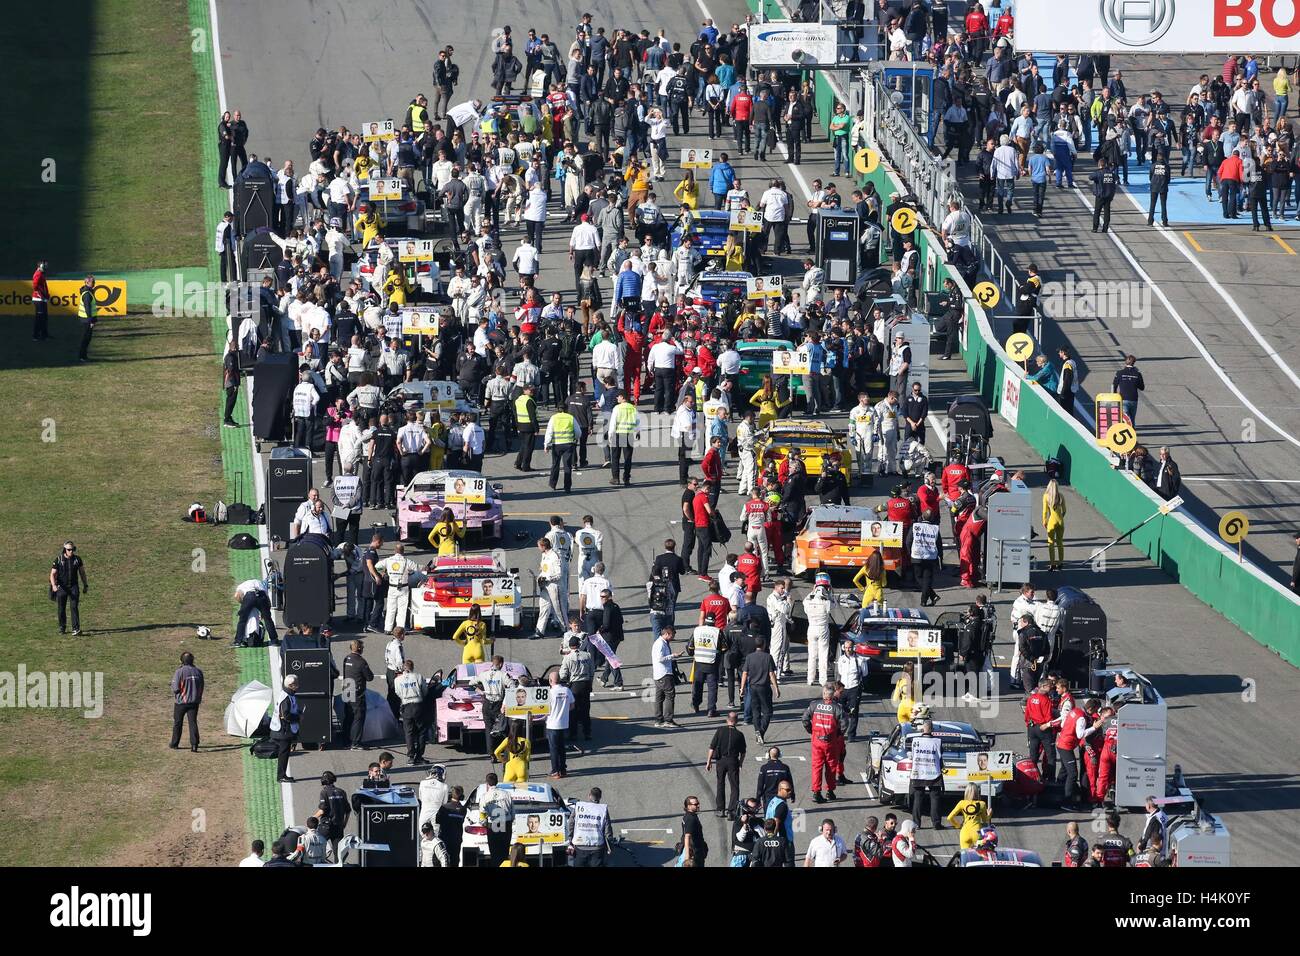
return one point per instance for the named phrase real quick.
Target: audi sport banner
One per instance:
(1158, 26)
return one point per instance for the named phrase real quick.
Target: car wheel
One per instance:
(470, 858)
(413, 535)
(886, 797)
(808, 574)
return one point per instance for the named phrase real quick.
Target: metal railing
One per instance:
(931, 180)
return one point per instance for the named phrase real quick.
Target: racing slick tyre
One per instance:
(413, 535)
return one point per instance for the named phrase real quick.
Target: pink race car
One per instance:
(420, 504)
(460, 708)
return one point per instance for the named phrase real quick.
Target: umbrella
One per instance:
(380, 723)
(248, 705)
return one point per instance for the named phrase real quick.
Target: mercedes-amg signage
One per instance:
(1158, 26)
(806, 45)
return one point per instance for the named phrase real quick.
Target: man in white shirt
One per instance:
(662, 362)
(1006, 169)
(590, 587)
(341, 200)
(255, 858)
(535, 213)
(606, 364)
(557, 725)
(1022, 605)
(584, 246)
(305, 399)
(526, 258)
(472, 444)
(661, 670)
(827, 848)
(774, 205)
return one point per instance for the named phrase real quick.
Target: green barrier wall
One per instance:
(1178, 545)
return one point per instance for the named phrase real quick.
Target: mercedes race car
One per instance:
(816, 442)
(453, 584)
(420, 504)
(460, 708)
(537, 817)
(888, 775)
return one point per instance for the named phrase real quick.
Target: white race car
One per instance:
(888, 775)
(538, 817)
(453, 584)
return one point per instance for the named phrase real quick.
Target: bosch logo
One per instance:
(1136, 23)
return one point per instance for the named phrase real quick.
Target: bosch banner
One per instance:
(1158, 26)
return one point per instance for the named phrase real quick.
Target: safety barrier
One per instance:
(1178, 544)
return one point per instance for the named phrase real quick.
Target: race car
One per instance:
(709, 227)
(888, 775)
(831, 538)
(460, 708)
(815, 440)
(538, 818)
(712, 288)
(447, 593)
(874, 634)
(996, 857)
(428, 278)
(756, 361)
(420, 504)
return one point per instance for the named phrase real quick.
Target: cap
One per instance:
(697, 371)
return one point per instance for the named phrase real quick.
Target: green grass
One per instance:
(105, 89)
(131, 449)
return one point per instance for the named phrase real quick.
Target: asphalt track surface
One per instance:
(294, 66)
(1236, 441)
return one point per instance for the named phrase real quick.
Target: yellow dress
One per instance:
(395, 286)
(516, 764)
(1054, 525)
(873, 590)
(372, 228)
(769, 405)
(473, 636)
(971, 816)
(902, 698)
(438, 433)
(444, 537)
(688, 194)
(735, 258)
(508, 863)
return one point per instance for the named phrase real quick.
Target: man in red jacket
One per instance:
(1038, 721)
(741, 110)
(1073, 726)
(711, 465)
(40, 303)
(1230, 176)
(977, 32)
(825, 721)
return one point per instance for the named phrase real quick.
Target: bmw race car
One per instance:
(709, 227)
(460, 708)
(888, 775)
(538, 818)
(448, 591)
(420, 504)
(874, 634)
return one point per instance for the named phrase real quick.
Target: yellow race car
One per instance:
(815, 441)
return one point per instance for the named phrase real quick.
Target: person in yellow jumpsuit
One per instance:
(688, 191)
(870, 580)
(473, 636)
(371, 225)
(395, 286)
(515, 752)
(971, 814)
(733, 254)
(447, 534)
(362, 166)
(516, 857)
(1054, 525)
(438, 435)
(902, 696)
(768, 402)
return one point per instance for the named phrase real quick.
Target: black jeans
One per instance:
(1042, 750)
(41, 321)
(283, 747)
(582, 707)
(683, 460)
(354, 719)
(664, 379)
(181, 713)
(562, 458)
(760, 707)
(524, 459)
(588, 856)
(742, 135)
(706, 675)
(850, 700)
(728, 769)
(232, 395)
(72, 597)
(414, 731)
(919, 789)
(381, 483)
(925, 578)
(620, 453)
(1067, 770)
(703, 549)
(87, 331)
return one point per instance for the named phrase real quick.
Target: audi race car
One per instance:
(815, 440)
(997, 857)
(756, 361)
(874, 634)
(888, 775)
(460, 708)
(539, 818)
(831, 539)
(420, 504)
(449, 589)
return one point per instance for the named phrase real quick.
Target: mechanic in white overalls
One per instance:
(548, 591)
(887, 427)
(591, 544)
(862, 431)
(817, 608)
(780, 610)
(745, 457)
(399, 569)
(562, 545)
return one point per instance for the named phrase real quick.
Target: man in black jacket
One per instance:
(1168, 478)
(1128, 382)
(446, 75)
(793, 115)
(770, 776)
(356, 676)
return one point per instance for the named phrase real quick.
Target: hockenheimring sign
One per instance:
(1158, 26)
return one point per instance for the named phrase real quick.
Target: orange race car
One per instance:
(832, 539)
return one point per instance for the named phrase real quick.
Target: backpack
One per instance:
(660, 594)
(266, 748)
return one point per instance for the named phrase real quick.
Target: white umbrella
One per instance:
(380, 723)
(248, 705)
